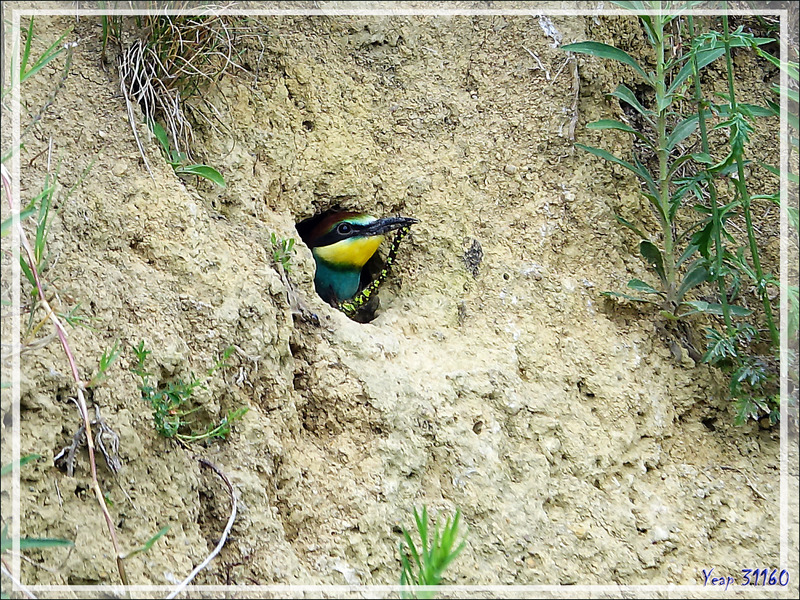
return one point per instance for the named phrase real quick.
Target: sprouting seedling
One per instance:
(106, 360)
(424, 566)
(282, 249)
(148, 544)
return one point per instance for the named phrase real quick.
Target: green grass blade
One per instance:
(26, 53)
(26, 270)
(28, 543)
(29, 211)
(47, 56)
(204, 171)
(605, 51)
(24, 460)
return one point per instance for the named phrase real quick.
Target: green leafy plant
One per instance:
(169, 401)
(180, 162)
(424, 566)
(106, 360)
(282, 249)
(680, 179)
(663, 136)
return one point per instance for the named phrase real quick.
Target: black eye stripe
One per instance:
(337, 235)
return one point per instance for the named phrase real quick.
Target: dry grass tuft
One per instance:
(174, 58)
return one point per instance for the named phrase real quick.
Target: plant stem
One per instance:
(81, 400)
(663, 163)
(744, 195)
(712, 190)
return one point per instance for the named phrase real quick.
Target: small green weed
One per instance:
(169, 400)
(180, 162)
(106, 360)
(148, 544)
(282, 250)
(425, 566)
(75, 317)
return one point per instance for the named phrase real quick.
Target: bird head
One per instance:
(342, 243)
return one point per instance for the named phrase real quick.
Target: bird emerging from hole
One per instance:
(342, 243)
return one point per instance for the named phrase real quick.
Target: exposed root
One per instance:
(225, 533)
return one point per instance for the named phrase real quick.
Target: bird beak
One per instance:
(381, 226)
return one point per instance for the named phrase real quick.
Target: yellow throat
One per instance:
(352, 253)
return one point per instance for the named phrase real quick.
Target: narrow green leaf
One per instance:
(687, 254)
(704, 58)
(26, 270)
(161, 135)
(756, 110)
(26, 53)
(605, 51)
(149, 543)
(610, 124)
(700, 306)
(27, 212)
(774, 170)
(631, 226)
(638, 170)
(648, 179)
(626, 297)
(702, 239)
(652, 256)
(677, 163)
(614, 124)
(792, 68)
(682, 130)
(204, 171)
(28, 543)
(46, 57)
(625, 94)
(694, 277)
(703, 157)
(640, 286)
(24, 460)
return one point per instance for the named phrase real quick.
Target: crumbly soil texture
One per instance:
(581, 438)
